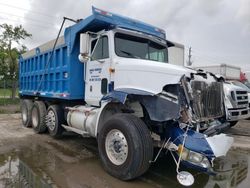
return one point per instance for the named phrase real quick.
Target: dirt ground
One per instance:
(241, 134)
(27, 158)
(9, 109)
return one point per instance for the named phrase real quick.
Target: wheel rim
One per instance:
(35, 117)
(51, 120)
(116, 147)
(24, 114)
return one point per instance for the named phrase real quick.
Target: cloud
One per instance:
(243, 15)
(220, 29)
(210, 8)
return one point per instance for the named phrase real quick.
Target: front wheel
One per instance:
(125, 146)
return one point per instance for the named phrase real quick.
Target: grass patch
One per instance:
(9, 101)
(6, 92)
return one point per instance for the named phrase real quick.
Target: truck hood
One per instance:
(145, 75)
(230, 87)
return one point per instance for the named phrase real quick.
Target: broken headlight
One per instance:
(193, 157)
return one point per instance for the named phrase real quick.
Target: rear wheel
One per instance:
(38, 114)
(55, 118)
(26, 106)
(233, 123)
(125, 146)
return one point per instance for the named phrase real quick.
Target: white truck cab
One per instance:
(128, 60)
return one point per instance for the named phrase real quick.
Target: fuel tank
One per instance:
(83, 118)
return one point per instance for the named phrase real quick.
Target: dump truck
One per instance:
(108, 77)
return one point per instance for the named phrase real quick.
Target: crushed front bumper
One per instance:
(204, 147)
(238, 114)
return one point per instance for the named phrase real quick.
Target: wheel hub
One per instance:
(35, 117)
(116, 147)
(24, 114)
(51, 120)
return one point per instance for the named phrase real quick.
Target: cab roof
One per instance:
(103, 20)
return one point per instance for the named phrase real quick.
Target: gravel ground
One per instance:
(73, 160)
(241, 134)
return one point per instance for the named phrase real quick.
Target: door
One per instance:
(97, 71)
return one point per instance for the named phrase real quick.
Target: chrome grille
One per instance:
(207, 100)
(241, 92)
(242, 99)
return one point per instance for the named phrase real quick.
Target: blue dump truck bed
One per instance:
(63, 76)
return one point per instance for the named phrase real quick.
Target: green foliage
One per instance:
(9, 101)
(10, 49)
(6, 92)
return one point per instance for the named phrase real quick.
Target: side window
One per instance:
(101, 49)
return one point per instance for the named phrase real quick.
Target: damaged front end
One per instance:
(201, 105)
(185, 116)
(196, 150)
(193, 138)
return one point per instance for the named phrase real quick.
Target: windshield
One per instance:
(247, 84)
(241, 85)
(141, 48)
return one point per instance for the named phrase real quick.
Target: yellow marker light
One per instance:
(111, 70)
(180, 149)
(183, 152)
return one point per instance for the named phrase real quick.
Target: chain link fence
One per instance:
(6, 91)
(6, 88)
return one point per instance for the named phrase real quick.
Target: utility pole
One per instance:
(189, 63)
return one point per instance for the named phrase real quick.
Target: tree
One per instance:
(10, 50)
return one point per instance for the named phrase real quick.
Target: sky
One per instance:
(218, 31)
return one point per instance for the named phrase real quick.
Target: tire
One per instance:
(26, 106)
(136, 145)
(55, 118)
(38, 114)
(233, 123)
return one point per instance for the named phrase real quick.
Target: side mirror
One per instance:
(84, 47)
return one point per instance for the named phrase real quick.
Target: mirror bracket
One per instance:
(84, 47)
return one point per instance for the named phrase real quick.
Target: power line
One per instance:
(18, 22)
(34, 20)
(31, 11)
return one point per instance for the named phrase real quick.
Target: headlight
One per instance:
(205, 163)
(233, 95)
(193, 157)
